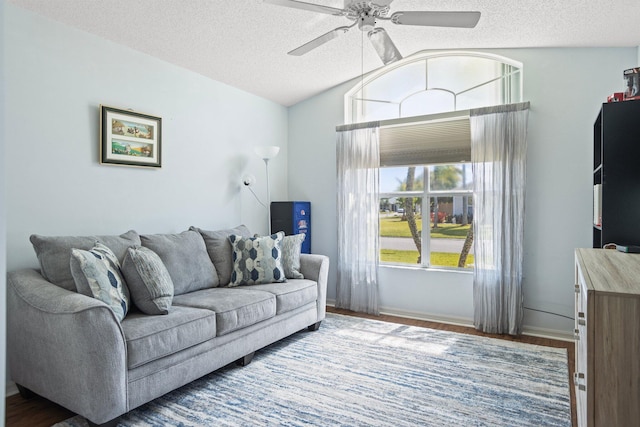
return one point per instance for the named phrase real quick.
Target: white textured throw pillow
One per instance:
(148, 280)
(291, 248)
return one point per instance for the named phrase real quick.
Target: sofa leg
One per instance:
(315, 326)
(25, 392)
(245, 360)
(112, 423)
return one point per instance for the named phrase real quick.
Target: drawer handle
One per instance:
(576, 334)
(577, 288)
(581, 319)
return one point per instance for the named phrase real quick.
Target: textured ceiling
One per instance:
(243, 43)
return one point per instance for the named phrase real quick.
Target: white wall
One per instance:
(56, 79)
(566, 87)
(3, 239)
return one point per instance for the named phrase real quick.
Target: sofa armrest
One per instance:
(66, 347)
(316, 267)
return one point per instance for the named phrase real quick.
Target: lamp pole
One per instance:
(266, 165)
(267, 153)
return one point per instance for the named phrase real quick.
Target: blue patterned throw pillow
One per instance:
(96, 273)
(256, 260)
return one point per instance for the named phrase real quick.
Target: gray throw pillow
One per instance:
(148, 280)
(185, 257)
(97, 274)
(257, 260)
(54, 253)
(219, 249)
(291, 248)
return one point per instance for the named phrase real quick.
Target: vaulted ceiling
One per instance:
(244, 43)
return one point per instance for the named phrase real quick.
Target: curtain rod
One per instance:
(451, 115)
(500, 109)
(405, 120)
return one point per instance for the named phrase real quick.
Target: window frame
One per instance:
(353, 113)
(510, 85)
(425, 234)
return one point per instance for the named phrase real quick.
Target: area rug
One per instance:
(360, 372)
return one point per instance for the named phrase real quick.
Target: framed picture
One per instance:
(130, 138)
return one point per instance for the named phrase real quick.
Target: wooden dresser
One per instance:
(607, 329)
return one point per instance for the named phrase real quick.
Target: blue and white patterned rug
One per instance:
(359, 372)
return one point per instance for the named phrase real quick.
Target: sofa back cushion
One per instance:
(186, 259)
(220, 251)
(54, 253)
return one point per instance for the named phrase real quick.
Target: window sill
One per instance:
(454, 270)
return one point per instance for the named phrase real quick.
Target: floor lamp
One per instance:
(267, 153)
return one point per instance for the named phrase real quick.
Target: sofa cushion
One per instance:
(234, 309)
(148, 280)
(96, 273)
(153, 337)
(219, 249)
(54, 253)
(289, 295)
(257, 260)
(186, 259)
(291, 248)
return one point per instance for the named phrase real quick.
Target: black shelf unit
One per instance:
(616, 167)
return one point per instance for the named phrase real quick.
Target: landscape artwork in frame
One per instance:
(130, 138)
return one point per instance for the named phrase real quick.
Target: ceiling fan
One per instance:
(365, 14)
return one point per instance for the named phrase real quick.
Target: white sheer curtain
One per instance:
(358, 158)
(498, 155)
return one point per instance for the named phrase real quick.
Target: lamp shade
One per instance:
(268, 152)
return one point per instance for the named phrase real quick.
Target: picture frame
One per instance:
(130, 138)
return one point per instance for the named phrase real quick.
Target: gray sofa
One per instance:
(71, 348)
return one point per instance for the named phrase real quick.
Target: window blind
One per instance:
(426, 142)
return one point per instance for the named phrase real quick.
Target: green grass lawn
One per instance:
(395, 227)
(439, 259)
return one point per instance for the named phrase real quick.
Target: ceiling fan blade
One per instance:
(307, 6)
(437, 19)
(319, 41)
(387, 51)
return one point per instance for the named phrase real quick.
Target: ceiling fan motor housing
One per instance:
(365, 12)
(366, 22)
(355, 8)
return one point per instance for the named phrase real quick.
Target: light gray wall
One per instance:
(566, 88)
(56, 79)
(3, 234)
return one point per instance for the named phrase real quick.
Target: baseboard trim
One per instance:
(461, 321)
(553, 334)
(11, 389)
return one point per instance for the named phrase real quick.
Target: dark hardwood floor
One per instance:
(39, 412)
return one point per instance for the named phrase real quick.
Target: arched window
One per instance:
(423, 154)
(428, 83)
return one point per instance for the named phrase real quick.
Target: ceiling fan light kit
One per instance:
(366, 14)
